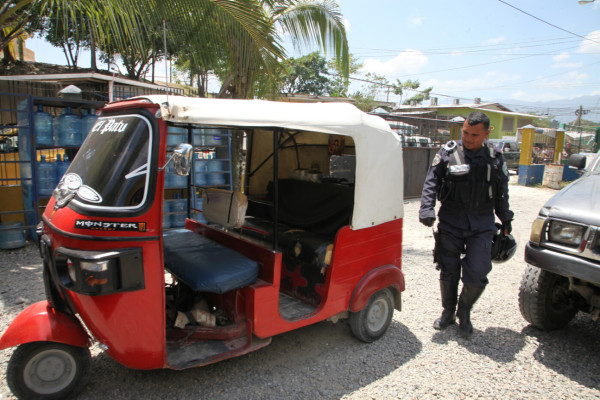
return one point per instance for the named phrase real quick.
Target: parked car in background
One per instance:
(417, 141)
(511, 151)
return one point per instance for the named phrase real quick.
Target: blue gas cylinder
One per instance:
(12, 235)
(46, 177)
(67, 129)
(166, 216)
(87, 123)
(172, 180)
(42, 122)
(200, 172)
(62, 165)
(176, 135)
(179, 210)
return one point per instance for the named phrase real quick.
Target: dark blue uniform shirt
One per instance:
(463, 220)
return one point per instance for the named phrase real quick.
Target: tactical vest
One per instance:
(469, 187)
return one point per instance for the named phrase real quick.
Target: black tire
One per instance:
(48, 370)
(544, 299)
(370, 323)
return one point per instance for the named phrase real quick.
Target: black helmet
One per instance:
(503, 246)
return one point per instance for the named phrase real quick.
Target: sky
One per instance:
(510, 50)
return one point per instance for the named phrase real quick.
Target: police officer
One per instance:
(470, 179)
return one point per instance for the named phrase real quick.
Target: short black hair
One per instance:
(477, 117)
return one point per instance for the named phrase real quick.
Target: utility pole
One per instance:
(581, 112)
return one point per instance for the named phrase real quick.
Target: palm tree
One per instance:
(14, 16)
(238, 38)
(307, 22)
(123, 24)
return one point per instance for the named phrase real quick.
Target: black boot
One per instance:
(468, 297)
(449, 290)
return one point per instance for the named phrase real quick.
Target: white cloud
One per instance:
(496, 40)
(525, 96)
(407, 62)
(561, 57)
(568, 65)
(565, 82)
(479, 85)
(417, 21)
(591, 43)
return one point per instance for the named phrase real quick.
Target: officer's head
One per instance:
(476, 129)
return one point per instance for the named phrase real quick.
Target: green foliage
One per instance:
(378, 85)
(236, 40)
(339, 82)
(14, 17)
(420, 96)
(308, 75)
(586, 124)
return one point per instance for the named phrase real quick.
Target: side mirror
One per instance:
(578, 161)
(182, 159)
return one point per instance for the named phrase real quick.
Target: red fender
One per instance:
(377, 279)
(41, 322)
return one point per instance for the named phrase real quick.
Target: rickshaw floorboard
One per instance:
(196, 354)
(292, 308)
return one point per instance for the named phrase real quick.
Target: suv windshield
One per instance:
(113, 164)
(596, 167)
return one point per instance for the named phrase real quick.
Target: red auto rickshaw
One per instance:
(188, 231)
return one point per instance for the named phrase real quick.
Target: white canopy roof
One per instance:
(379, 183)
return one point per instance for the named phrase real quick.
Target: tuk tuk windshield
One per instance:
(113, 164)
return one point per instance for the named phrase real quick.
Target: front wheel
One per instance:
(544, 299)
(48, 370)
(370, 323)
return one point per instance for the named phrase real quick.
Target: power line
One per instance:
(546, 22)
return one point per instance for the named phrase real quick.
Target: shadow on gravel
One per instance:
(20, 279)
(499, 344)
(572, 351)
(319, 361)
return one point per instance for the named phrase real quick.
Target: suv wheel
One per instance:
(544, 299)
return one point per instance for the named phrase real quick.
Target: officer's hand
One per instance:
(427, 221)
(507, 227)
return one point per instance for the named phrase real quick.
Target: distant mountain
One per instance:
(562, 110)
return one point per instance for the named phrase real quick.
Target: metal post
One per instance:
(526, 145)
(275, 185)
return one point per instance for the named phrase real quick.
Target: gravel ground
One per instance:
(506, 358)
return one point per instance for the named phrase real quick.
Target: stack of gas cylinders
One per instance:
(50, 173)
(65, 130)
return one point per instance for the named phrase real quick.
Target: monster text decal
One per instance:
(110, 225)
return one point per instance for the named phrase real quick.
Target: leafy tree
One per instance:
(339, 83)
(307, 75)
(544, 121)
(307, 22)
(375, 85)
(422, 95)
(63, 28)
(585, 124)
(14, 17)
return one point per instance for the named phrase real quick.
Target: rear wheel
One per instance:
(370, 323)
(48, 370)
(544, 299)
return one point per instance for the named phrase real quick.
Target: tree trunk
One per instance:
(93, 50)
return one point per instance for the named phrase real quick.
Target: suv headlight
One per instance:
(566, 233)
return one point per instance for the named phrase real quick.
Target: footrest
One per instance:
(206, 265)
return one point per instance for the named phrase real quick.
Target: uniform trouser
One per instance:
(476, 262)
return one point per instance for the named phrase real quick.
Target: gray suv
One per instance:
(563, 253)
(510, 150)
